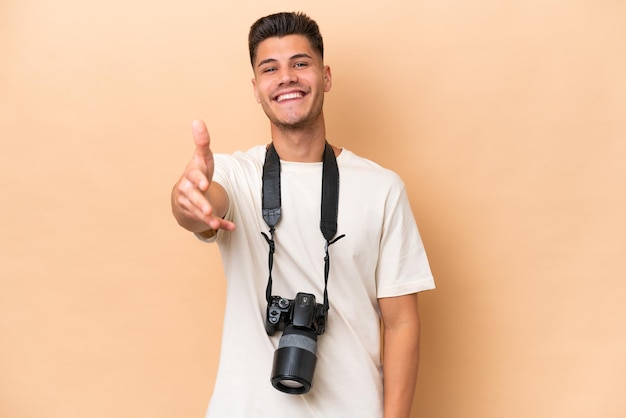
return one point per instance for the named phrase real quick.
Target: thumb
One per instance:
(202, 140)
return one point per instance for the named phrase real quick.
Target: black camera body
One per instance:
(301, 319)
(301, 312)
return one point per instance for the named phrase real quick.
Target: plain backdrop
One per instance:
(504, 118)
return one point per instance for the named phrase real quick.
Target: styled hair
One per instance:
(283, 24)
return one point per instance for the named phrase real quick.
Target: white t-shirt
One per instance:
(380, 256)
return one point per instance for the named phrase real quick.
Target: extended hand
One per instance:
(197, 204)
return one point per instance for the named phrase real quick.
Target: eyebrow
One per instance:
(293, 57)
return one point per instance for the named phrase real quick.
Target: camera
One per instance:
(301, 320)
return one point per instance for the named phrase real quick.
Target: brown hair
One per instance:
(282, 24)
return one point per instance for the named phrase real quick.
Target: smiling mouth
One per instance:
(289, 96)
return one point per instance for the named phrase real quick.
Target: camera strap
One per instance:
(271, 203)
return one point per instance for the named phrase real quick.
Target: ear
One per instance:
(256, 91)
(328, 79)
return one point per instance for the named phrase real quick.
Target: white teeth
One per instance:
(289, 96)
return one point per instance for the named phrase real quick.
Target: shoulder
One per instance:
(240, 167)
(254, 155)
(364, 169)
(240, 162)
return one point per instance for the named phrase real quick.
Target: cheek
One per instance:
(262, 91)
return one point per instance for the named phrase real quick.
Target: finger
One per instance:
(202, 140)
(199, 208)
(218, 223)
(194, 201)
(203, 207)
(199, 179)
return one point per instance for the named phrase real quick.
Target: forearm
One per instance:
(400, 366)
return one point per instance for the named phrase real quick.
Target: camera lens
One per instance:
(291, 384)
(295, 360)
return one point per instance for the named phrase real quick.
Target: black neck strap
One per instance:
(272, 208)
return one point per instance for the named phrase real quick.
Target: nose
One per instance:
(287, 75)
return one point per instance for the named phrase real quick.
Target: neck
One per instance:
(300, 144)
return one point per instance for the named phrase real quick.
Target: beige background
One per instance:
(505, 119)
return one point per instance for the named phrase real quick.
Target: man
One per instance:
(369, 269)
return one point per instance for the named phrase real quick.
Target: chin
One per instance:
(291, 123)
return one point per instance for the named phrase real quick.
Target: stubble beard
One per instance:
(305, 122)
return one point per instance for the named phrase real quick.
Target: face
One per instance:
(290, 80)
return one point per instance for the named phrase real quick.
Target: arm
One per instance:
(199, 204)
(400, 353)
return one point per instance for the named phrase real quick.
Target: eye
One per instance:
(301, 65)
(268, 70)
